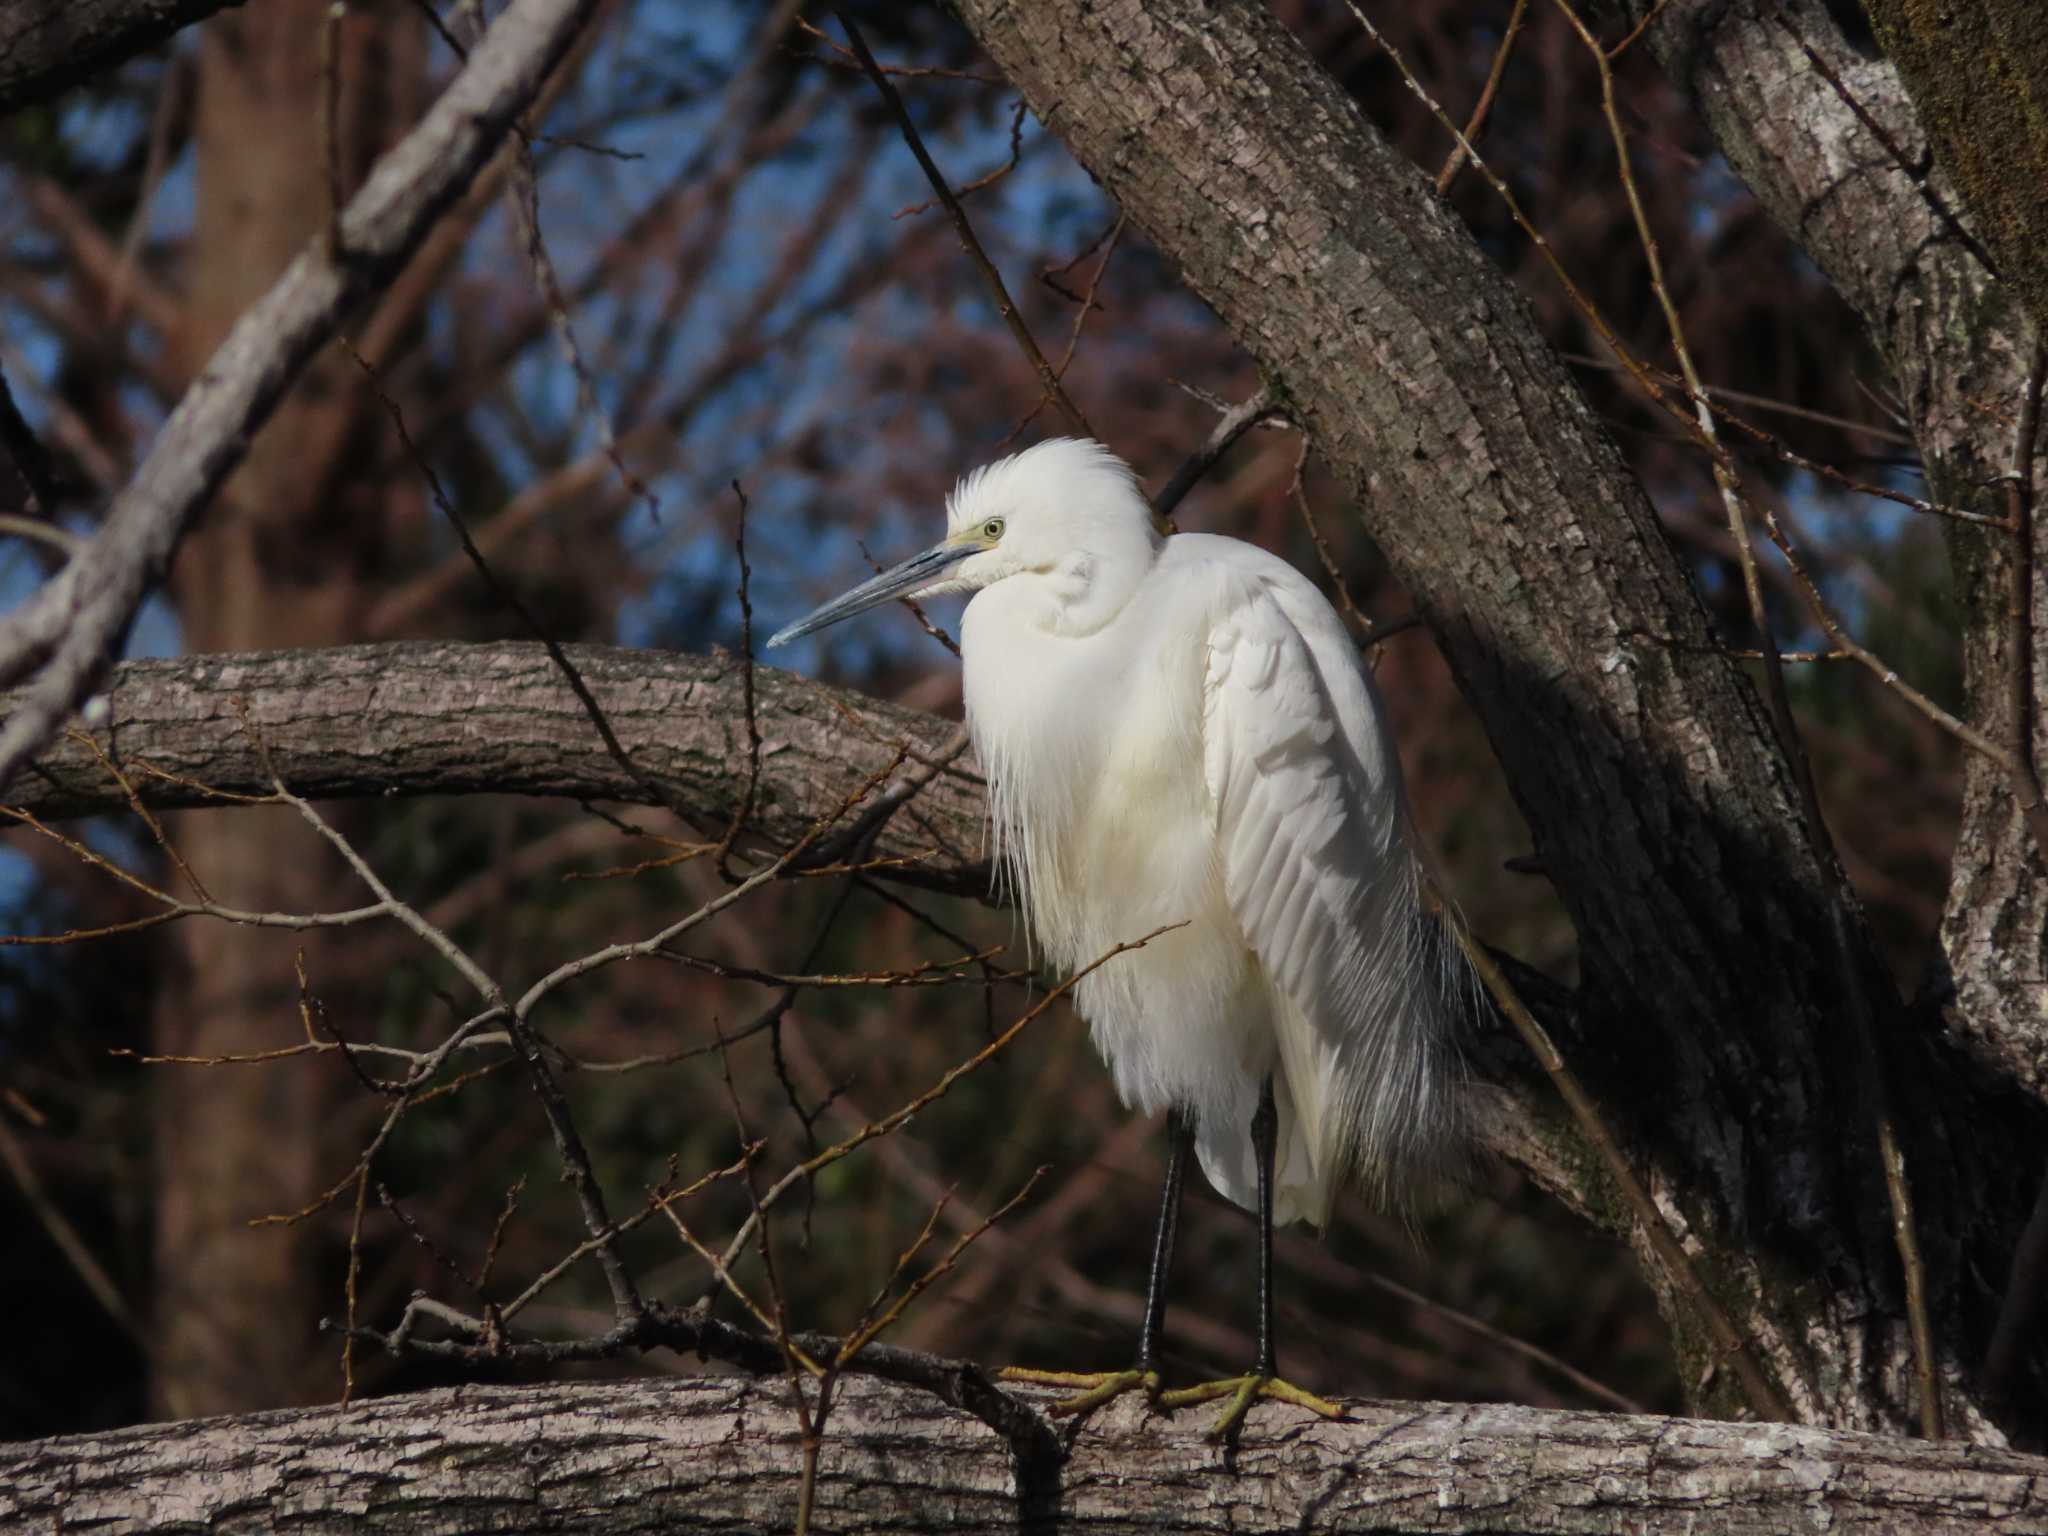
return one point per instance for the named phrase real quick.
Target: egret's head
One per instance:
(1041, 511)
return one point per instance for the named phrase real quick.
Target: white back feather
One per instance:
(1314, 838)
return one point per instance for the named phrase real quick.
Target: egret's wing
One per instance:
(1311, 835)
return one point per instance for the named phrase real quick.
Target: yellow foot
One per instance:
(1243, 1391)
(1098, 1386)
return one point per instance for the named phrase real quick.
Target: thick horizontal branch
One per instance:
(372, 721)
(725, 1454)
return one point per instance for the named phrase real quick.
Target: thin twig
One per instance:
(916, 609)
(1500, 1339)
(1298, 492)
(1713, 394)
(310, 1008)
(1635, 33)
(172, 99)
(1048, 380)
(143, 814)
(1847, 645)
(846, 60)
(1585, 306)
(861, 832)
(523, 192)
(745, 808)
(1857, 487)
(809, 1167)
(172, 908)
(860, 1340)
(1476, 124)
(576, 1165)
(655, 789)
(656, 942)
(498, 1230)
(810, 1419)
(1089, 303)
(55, 535)
(349, 1285)
(1235, 421)
(987, 178)
(1050, 275)
(1371, 633)
(928, 973)
(1763, 1397)
(1721, 394)
(659, 1202)
(990, 976)
(902, 1265)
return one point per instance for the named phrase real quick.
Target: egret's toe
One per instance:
(1098, 1386)
(1243, 1391)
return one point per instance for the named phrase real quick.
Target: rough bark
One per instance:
(373, 721)
(1959, 350)
(726, 1454)
(1660, 805)
(48, 46)
(1979, 76)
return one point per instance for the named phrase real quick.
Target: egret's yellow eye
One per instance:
(992, 529)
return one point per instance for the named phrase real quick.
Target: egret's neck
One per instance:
(1089, 587)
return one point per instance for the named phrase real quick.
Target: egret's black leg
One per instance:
(1101, 1386)
(1243, 1391)
(1178, 1141)
(1265, 1143)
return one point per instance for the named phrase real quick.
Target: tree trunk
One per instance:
(279, 560)
(1979, 76)
(1960, 352)
(726, 1454)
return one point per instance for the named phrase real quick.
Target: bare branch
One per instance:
(721, 1453)
(1005, 306)
(1455, 162)
(71, 629)
(362, 721)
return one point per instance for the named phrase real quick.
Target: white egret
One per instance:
(1179, 730)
